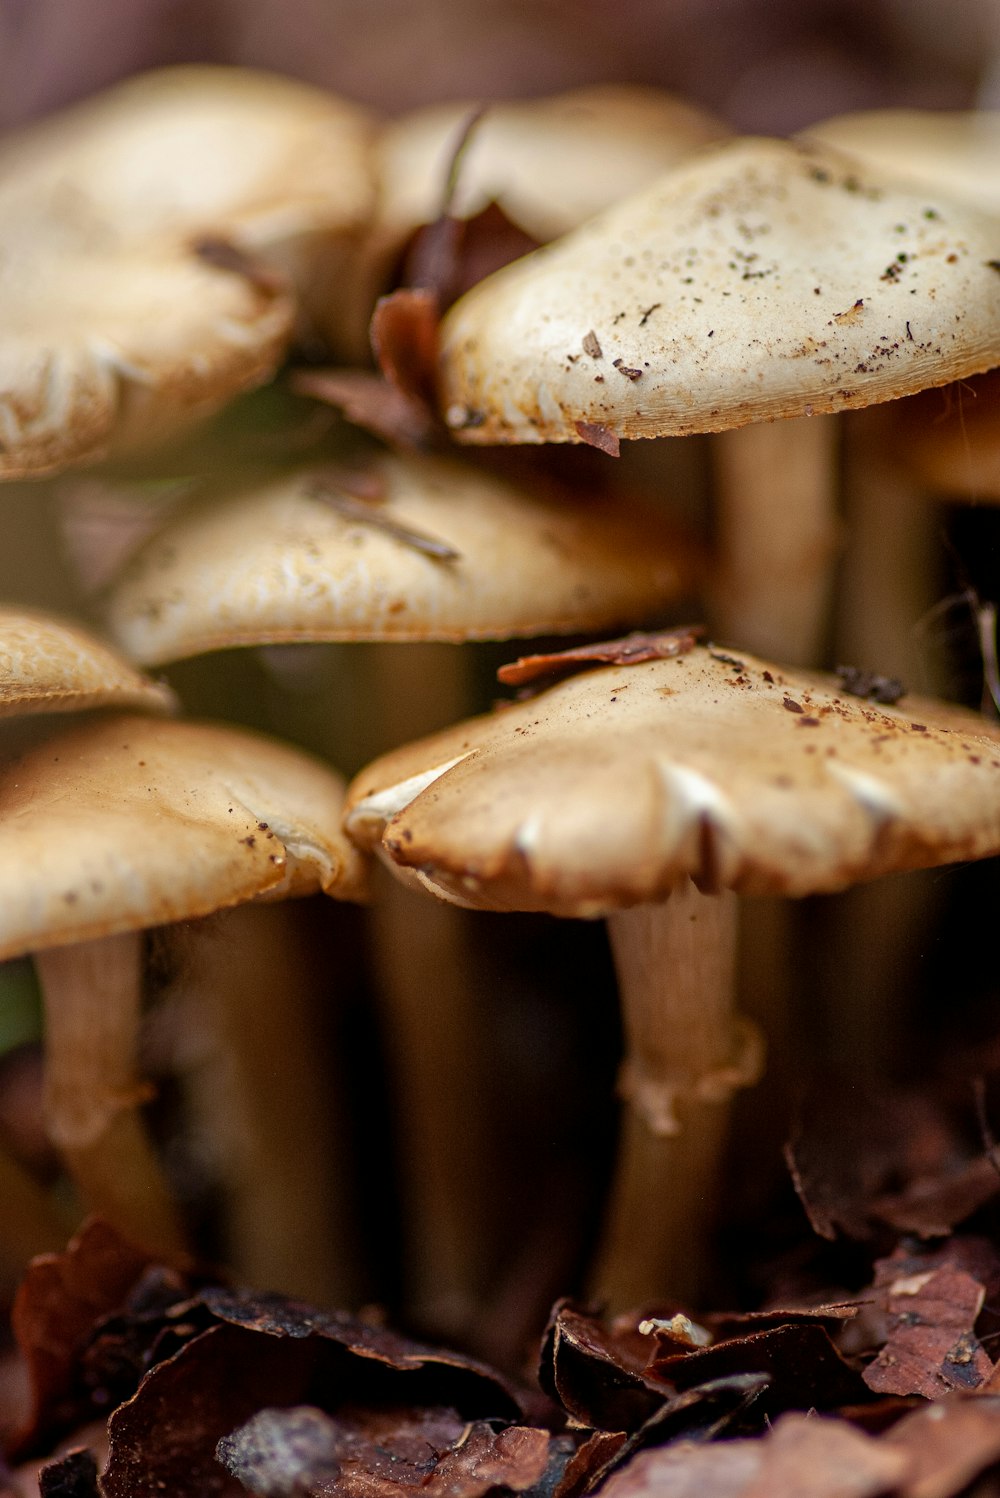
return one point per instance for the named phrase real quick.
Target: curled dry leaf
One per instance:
(628, 651)
(803, 1365)
(451, 255)
(864, 1140)
(595, 1372)
(60, 1301)
(263, 1351)
(404, 334)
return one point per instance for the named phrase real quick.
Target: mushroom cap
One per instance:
(549, 163)
(761, 279)
(956, 152)
(271, 562)
(123, 823)
(51, 666)
(611, 787)
(116, 332)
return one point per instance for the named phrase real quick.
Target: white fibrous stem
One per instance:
(92, 995)
(247, 987)
(686, 1053)
(777, 534)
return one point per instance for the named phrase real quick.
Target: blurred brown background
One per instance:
(768, 65)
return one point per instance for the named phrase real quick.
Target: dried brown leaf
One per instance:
(404, 336)
(628, 651)
(932, 1347)
(269, 1351)
(369, 401)
(687, 1470)
(59, 1303)
(597, 1373)
(804, 1367)
(849, 1156)
(451, 255)
(815, 1457)
(947, 1445)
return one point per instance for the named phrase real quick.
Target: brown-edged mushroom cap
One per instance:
(612, 787)
(124, 823)
(115, 330)
(956, 151)
(49, 665)
(614, 790)
(447, 552)
(763, 279)
(550, 163)
(114, 826)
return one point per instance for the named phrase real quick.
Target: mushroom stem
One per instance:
(777, 534)
(262, 1091)
(443, 1128)
(686, 1052)
(92, 995)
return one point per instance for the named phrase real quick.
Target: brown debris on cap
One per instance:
(49, 666)
(762, 279)
(129, 822)
(116, 330)
(274, 562)
(950, 151)
(611, 787)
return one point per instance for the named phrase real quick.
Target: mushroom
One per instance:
(440, 552)
(150, 240)
(761, 280)
(47, 666)
(653, 794)
(443, 552)
(108, 829)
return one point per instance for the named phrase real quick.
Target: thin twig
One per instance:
(367, 513)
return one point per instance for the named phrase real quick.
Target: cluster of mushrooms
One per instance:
(164, 249)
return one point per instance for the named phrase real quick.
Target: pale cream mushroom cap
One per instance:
(125, 822)
(762, 279)
(115, 332)
(609, 789)
(956, 152)
(271, 563)
(49, 665)
(549, 163)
